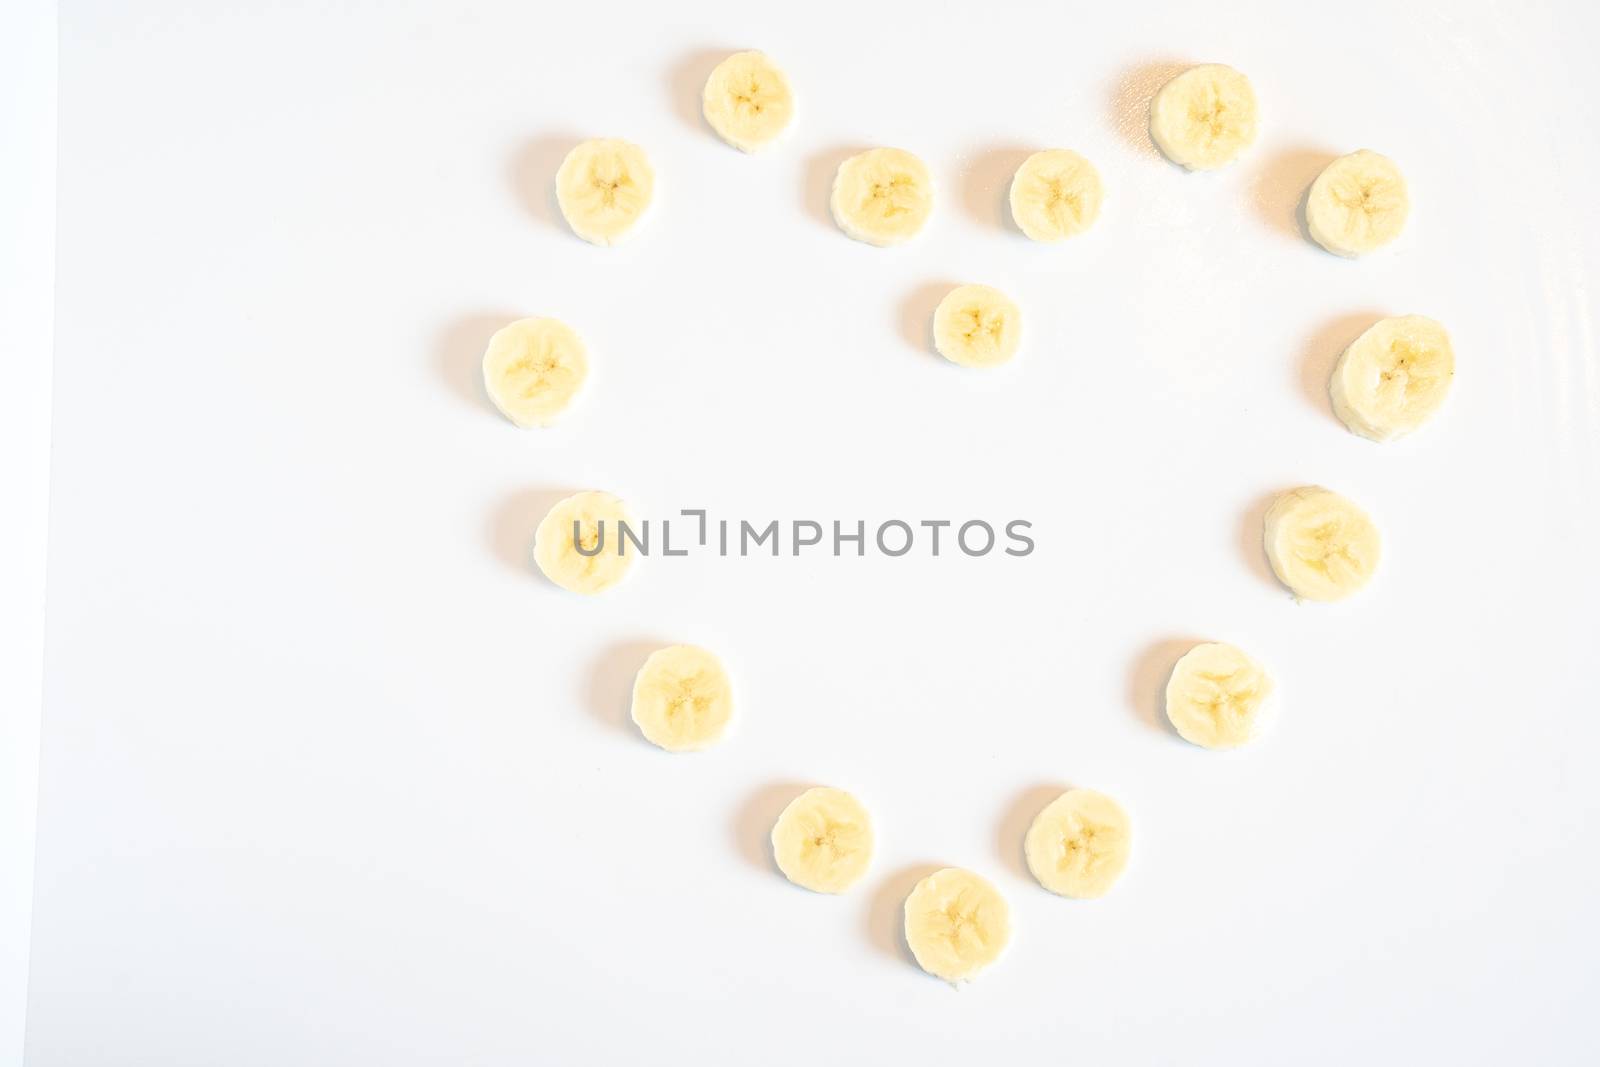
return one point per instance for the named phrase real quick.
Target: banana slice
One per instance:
(532, 370)
(1320, 545)
(883, 196)
(823, 840)
(956, 924)
(592, 521)
(1205, 117)
(747, 101)
(1358, 204)
(1055, 195)
(604, 188)
(1078, 846)
(1393, 377)
(977, 326)
(682, 699)
(1216, 696)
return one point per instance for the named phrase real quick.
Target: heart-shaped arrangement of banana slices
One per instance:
(1388, 382)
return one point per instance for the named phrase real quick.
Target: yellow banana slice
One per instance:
(1358, 204)
(1055, 194)
(823, 840)
(1320, 545)
(1078, 846)
(956, 924)
(682, 699)
(594, 519)
(1393, 377)
(532, 370)
(882, 196)
(604, 188)
(747, 100)
(1216, 696)
(977, 326)
(1205, 117)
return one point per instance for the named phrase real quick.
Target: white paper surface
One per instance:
(27, 278)
(330, 775)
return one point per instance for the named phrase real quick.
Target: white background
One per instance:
(27, 274)
(330, 775)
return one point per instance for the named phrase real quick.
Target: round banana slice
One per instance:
(1358, 204)
(747, 101)
(1320, 545)
(977, 326)
(604, 188)
(882, 196)
(1055, 194)
(956, 924)
(823, 840)
(1078, 846)
(532, 370)
(1205, 117)
(579, 544)
(1393, 377)
(1216, 696)
(682, 699)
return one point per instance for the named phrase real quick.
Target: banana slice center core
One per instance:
(609, 185)
(890, 193)
(979, 327)
(1406, 371)
(1360, 200)
(749, 100)
(587, 538)
(827, 840)
(690, 699)
(1225, 700)
(963, 925)
(1211, 115)
(535, 371)
(1078, 851)
(1326, 551)
(1064, 200)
